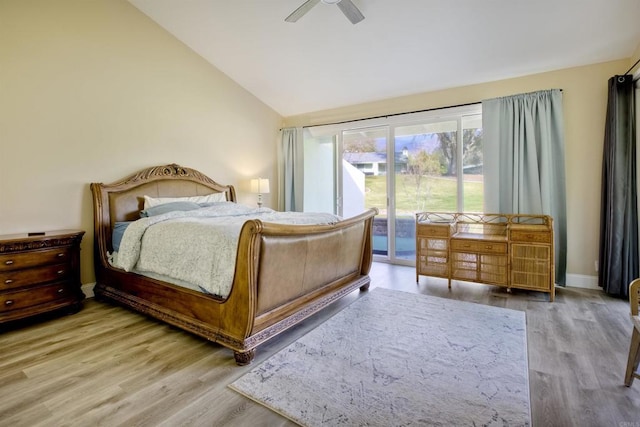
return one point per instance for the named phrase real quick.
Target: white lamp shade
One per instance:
(260, 185)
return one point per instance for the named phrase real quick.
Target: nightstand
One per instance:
(39, 273)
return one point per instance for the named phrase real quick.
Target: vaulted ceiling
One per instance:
(402, 47)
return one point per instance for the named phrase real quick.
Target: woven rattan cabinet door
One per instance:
(432, 249)
(530, 266)
(531, 258)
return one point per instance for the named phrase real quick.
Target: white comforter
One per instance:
(197, 248)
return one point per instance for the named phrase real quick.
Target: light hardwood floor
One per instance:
(109, 366)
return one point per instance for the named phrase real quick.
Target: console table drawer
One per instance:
(530, 236)
(476, 246)
(433, 230)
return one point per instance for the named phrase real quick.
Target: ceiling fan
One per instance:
(346, 6)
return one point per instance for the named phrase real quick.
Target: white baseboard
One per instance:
(87, 288)
(582, 281)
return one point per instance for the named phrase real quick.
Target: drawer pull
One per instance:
(61, 254)
(8, 302)
(61, 290)
(8, 262)
(8, 282)
(489, 247)
(60, 271)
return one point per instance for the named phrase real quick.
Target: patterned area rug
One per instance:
(397, 359)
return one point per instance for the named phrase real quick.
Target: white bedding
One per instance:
(197, 249)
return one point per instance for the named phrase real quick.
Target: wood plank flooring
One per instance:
(109, 366)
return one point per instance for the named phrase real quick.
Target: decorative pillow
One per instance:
(150, 202)
(169, 207)
(118, 232)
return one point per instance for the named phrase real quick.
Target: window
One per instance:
(403, 164)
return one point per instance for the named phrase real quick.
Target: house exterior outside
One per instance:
(375, 163)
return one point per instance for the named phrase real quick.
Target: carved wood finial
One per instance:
(173, 170)
(169, 171)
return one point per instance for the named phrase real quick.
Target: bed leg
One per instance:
(244, 357)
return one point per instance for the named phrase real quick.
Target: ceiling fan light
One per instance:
(330, 1)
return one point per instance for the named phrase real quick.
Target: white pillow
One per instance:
(150, 202)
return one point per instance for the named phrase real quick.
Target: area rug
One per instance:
(394, 358)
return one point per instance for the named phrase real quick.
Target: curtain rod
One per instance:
(637, 62)
(384, 116)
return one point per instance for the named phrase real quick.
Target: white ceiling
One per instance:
(402, 47)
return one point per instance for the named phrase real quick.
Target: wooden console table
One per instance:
(513, 251)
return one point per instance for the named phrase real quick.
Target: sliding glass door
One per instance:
(364, 179)
(424, 177)
(401, 166)
(438, 167)
(320, 173)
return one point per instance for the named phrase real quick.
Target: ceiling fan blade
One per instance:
(351, 11)
(299, 12)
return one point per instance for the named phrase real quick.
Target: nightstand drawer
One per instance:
(34, 296)
(34, 276)
(530, 236)
(19, 260)
(461, 245)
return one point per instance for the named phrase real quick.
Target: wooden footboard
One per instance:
(283, 273)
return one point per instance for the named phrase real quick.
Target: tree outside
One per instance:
(472, 149)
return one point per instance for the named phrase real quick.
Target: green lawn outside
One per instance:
(436, 194)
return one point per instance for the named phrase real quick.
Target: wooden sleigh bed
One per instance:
(283, 273)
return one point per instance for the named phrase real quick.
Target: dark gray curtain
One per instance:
(618, 257)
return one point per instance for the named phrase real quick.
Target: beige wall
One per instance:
(634, 58)
(91, 91)
(585, 101)
(94, 90)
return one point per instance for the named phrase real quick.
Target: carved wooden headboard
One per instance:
(123, 201)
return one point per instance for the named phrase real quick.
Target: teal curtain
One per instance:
(524, 166)
(290, 170)
(618, 255)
